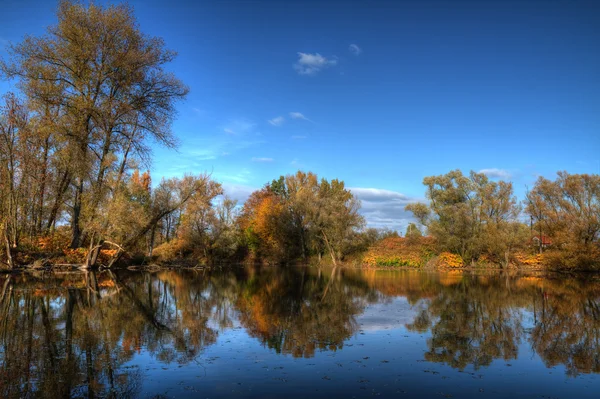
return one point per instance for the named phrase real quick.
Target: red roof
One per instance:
(545, 240)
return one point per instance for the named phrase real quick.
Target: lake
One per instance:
(299, 332)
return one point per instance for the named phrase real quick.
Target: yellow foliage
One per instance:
(447, 259)
(529, 259)
(398, 251)
(169, 251)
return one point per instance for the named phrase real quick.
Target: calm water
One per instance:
(298, 333)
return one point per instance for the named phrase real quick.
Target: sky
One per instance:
(379, 94)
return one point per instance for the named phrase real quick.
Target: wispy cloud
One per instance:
(234, 176)
(496, 173)
(298, 137)
(311, 64)
(199, 111)
(260, 159)
(202, 155)
(239, 127)
(354, 49)
(277, 121)
(385, 208)
(299, 115)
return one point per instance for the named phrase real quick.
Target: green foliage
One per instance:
(470, 215)
(413, 231)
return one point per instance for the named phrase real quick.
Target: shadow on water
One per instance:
(78, 334)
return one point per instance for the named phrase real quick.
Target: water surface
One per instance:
(298, 332)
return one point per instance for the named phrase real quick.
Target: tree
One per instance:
(412, 231)
(469, 215)
(568, 211)
(13, 120)
(297, 215)
(336, 217)
(103, 82)
(266, 222)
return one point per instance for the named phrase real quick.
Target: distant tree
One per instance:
(413, 231)
(469, 214)
(297, 215)
(568, 211)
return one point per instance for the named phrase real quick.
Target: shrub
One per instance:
(447, 259)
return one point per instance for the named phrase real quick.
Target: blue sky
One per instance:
(378, 94)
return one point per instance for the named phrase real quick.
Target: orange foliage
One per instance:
(261, 220)
(451, 277)
(143, 182)
(78, 255)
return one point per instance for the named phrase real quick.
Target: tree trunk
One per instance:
(42, 195)
(75, 220)
(151, 241)
(62, 188)
(329, 248)
(9, 258)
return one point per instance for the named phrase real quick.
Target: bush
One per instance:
(170, 251)
(447, 259)
(399, 252)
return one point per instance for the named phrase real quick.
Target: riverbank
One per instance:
(393, 253)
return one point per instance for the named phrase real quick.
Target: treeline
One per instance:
(95, 95)
(295, 217)
(482, 221)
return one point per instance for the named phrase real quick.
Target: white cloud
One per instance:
(259, 159)
(228, 131)
(277, 121)
(310, 64)
(238, 192)
(496, 173)
(385, 208)
(354, 49)
(299, 115)
(298, 137)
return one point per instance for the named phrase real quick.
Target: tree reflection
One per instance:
(299, 311)
(471, 324)
(474, 320)
(77, 331)
(568, 331)
(78, 334)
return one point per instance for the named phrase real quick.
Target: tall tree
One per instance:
(106, 85)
